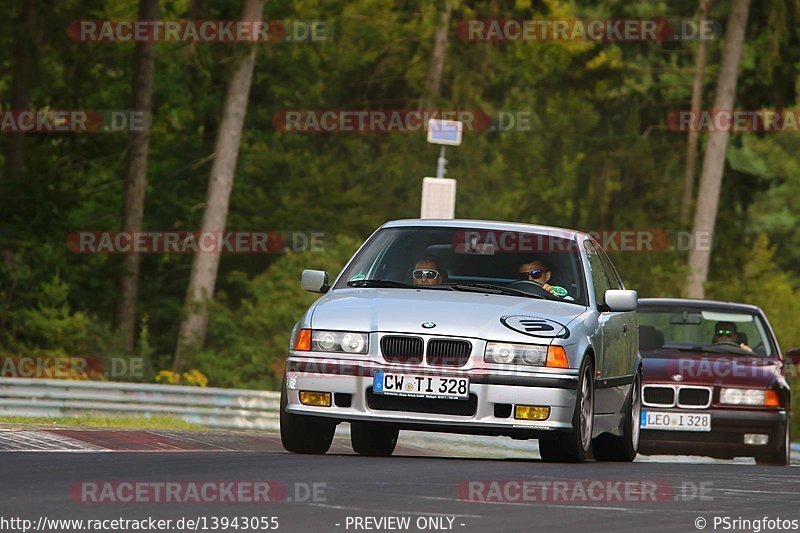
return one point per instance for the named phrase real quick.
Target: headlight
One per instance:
(742, 396)
(518, 354)
(339, 341)
(354, 343)
(293, 336)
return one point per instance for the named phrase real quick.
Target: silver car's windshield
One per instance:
(471, 260)
(703, 330)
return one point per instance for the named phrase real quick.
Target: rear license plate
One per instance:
(433, 387)
(673, 421)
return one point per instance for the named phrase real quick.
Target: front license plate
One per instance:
(433, 387)
(674, 421)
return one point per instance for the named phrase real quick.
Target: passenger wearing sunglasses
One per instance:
(725, 333)
(427, 272)
(538, 272)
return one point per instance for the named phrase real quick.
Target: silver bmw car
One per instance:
(473, 327)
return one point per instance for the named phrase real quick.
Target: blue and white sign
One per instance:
(446, 132)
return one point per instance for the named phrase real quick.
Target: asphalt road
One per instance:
(434, 490)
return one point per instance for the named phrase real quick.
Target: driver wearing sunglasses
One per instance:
(725, 333)
(427, 272)
(538, 272)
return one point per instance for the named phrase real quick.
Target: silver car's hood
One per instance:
(462, 314)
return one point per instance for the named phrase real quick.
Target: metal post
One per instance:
(441, 164)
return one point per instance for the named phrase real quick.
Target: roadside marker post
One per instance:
(439, 193)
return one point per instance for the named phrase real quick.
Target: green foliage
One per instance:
(50, 324)
(37, 318)
(761, 282)
(164, 422)
(248, 341)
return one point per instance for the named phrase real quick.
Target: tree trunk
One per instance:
(705, 216)
(433, 82)
(20, 89)
(694, 136)
(136, 177)
(205, 265)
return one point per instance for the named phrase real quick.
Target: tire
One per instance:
(575, 446)
(608, 447)
(302, 433)
(780, 456)
(376, 440)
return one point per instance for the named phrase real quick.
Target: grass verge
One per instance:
(100, 421)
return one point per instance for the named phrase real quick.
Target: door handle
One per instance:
(625, 329)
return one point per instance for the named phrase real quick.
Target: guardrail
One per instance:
(212, 407)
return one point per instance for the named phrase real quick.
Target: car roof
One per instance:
(485, 225)
(707, 304)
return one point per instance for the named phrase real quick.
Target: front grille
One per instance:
(402, 349)
(685, 396)
(660, 396)
(381, 402)
(444, 352)
(694, 397)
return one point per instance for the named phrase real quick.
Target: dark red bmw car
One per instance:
(713, 381)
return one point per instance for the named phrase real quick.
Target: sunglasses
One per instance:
(535, 274)
(724, 333)
(425, 273)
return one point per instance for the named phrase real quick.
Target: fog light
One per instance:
(320, 399)
(531, 412)
(756, 438)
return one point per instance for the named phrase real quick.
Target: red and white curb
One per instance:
(102, 440)
(42, 441)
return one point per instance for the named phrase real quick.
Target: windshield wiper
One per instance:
(380, 283)
(494, 289)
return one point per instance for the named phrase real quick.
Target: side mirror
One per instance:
(793, 356)
(619, 300)
(314, 281)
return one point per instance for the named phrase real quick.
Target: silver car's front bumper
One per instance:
(556, 390)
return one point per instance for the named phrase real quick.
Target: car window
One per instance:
(468, 256)
(611, 273)
(598, 272)
(681, 327)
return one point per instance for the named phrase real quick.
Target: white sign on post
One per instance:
(447, 132)
(439, 193)
(438, 198)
